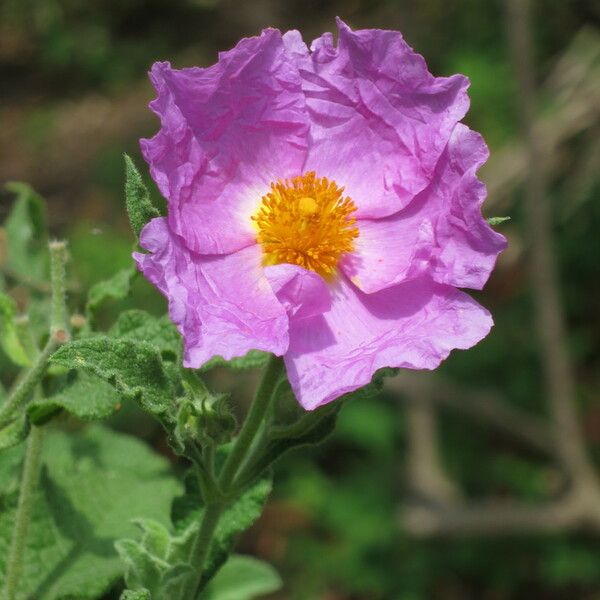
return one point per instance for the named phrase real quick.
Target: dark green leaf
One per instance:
(115, 288)
(134, 368)
(255, 359)
(92, 486)
(27, 237)
(137, 199)
(82, 394)
(243, 578)
(9, 337)
(493, 221)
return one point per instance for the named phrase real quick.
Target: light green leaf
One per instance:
(141, 326)
(136, 595)
(82, 394)
(493, 221)
(255, 359)
(243, 578)
(9, 337)
(93, 484)
(26, 233)
(137, 199)
(134, 368)
(158, 562)
(115, 288)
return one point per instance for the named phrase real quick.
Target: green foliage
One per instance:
(81, 394)
(494, 221)
(158, 562)
(94, 483)
(138, 325)
(242, 578)
(14, 432)
(137, 199)
(238, 517)
(134, 368)
(115, 288)
(136, 595)
(9, 336)
(254, 359)
(26, 233)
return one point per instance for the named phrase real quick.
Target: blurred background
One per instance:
(476, 482)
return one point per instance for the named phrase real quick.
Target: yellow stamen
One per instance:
(306, 221)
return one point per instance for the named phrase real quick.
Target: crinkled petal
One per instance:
(222, 304)
(379, 119)
(413, 325)
(227, 131)
(442, 232)
(303, 293)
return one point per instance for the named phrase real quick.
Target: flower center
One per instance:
(306, 221)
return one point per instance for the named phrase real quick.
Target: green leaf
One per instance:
(243, 578)
(134, 368)
(158, 562)
(9, 337)
(115, 288)
(93, 484)
(493, 221)
(137, 199)
(82, 395)
(136, 595)
(14, 433)
(26, 233)
(254, 359)
(237, 518)
(141, 326)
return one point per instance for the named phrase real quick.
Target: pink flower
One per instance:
(323, 205)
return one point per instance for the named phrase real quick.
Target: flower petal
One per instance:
(227, 131)
(442, 232)
(379, 119)
(303, 293)
(413, 325)
(222, 305)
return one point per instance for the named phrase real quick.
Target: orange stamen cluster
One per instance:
(306, 221)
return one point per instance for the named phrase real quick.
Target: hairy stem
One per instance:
(58, 335)
(31, 469)
(23, 391)
(237, 457)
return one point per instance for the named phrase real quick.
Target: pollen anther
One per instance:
(308, 222)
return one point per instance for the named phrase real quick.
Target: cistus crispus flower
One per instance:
(323, 205)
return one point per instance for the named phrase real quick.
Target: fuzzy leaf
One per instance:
(26, 233)
(158, 562)
(115, 288)
(243, 578)
(136, 595)
(493, 221)
(137, 199)
(9, 338)
(255, 359)
(93, 484)
(134, 368)
(82, 395)
(141, 326)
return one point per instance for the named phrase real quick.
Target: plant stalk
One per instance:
(31, 470)
(239, 453)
